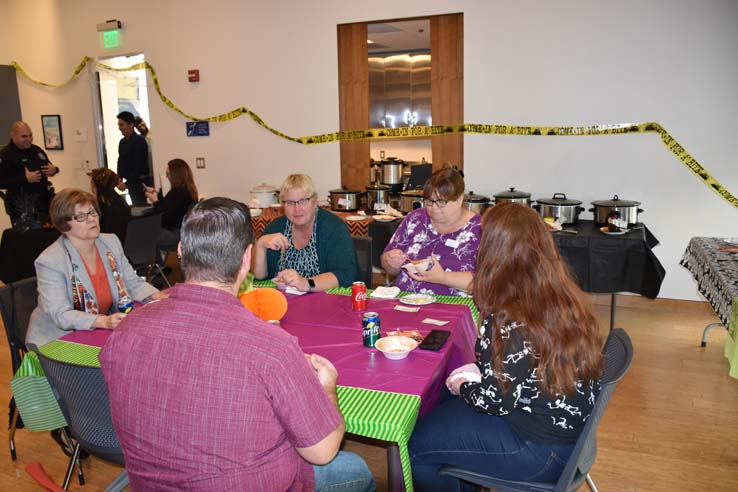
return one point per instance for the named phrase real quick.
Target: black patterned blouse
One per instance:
(534, 414)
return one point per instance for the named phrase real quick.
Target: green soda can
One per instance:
(370, 328)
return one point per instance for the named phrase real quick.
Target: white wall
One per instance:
(572, 62)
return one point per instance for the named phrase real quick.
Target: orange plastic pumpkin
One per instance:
(267, 304)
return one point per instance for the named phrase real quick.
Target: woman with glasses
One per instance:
(177, 202)
(83, 275)
(308, 248)
(444, 232)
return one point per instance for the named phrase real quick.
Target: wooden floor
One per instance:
(672, 424)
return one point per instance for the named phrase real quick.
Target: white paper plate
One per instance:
(610, 233)
(356, 217)
(383, 218)
(418, 299)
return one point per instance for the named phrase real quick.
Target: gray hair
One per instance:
(214, 236)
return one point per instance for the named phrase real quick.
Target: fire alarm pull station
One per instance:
(193, 75)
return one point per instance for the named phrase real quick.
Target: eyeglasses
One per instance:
(295, 203)
(83, 217)
(438, 203)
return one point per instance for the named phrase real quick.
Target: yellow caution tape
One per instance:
(77, 71)
(428, 131)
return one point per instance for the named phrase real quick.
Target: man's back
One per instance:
(205, 396)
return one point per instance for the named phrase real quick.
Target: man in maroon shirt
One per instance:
(205, 396)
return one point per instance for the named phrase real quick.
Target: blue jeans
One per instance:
(347, 472)
(455, 434)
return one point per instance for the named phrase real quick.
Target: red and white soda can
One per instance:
(358, 296)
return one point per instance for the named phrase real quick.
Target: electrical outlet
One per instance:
(200, 162)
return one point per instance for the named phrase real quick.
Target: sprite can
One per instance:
(370, 328)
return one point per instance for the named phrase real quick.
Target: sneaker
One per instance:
(66, 447)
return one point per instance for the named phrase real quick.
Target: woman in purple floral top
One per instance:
(444, 231)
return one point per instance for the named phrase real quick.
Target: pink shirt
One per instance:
(205, 396)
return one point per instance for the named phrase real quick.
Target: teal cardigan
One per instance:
(336, 253)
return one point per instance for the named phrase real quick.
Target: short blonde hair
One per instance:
(297, 182)
(62, 206)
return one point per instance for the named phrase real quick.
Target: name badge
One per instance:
(452, 243)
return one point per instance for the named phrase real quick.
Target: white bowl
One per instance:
(395, 347)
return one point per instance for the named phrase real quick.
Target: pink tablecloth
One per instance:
(326, 325)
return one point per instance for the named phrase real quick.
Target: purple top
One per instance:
(456, 251)
(200, 360)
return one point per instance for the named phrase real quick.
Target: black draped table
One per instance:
(608, 264)
(714, 265)
(18, 251)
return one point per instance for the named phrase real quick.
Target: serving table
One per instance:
(610, 264)
(714, 265)
(379, 398)
(355, 227)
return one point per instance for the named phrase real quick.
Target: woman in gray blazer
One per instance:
(83, 275)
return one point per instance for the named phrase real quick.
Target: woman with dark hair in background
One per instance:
(114, 211)
(176, 203)
(525, 400)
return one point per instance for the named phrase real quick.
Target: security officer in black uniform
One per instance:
(24, 173)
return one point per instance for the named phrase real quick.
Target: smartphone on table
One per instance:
(434, 340)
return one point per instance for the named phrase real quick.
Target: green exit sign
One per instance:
(111, 39)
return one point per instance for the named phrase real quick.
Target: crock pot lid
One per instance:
(556, 200)
(264, 188)
(378, 187)
(616, 202)
(512, 193)
(343, 191)
(472, 198)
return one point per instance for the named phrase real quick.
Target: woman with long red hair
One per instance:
(525, 400)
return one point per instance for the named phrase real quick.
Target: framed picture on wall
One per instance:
(51, 124)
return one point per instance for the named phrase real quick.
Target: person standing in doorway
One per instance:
(133, 159)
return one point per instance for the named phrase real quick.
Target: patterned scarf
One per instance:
(81, 297)
(305, 261)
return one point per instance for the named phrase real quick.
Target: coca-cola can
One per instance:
(358, 296)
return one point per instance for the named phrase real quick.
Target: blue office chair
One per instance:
(17, 302)
(83, 397)
(618, 354)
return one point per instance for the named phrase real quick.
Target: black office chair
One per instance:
(83, 397)
(17, 302)
(618, 354)
(140, 245)
(363, 247)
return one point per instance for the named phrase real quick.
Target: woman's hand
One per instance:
(290, 278)
(158, 296)
(395, 258)
(275, 242)
(151, 194)
(436, 274)
(455, 384)
(110, 322)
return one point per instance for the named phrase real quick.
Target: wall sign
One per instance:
(198, 128)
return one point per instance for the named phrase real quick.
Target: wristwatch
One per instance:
(311, 283)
